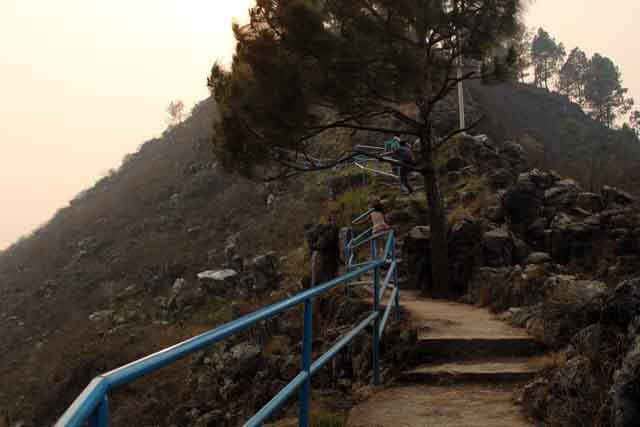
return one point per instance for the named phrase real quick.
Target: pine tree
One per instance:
(304, 68)
(573, 76)
(546, 55)
(522, 47)
(635, 122)
(604, 93)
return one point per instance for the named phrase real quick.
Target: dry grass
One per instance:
(549, 361)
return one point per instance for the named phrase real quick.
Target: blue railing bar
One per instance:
(100, 416)
(372, 238)
(376, 309)
(361, 217)
(85, 404)
(351, 259)
(362, 264)
(295, 384)
(89, 399)
(361, 236)
(357, 240)
(387, 311)
(387, 278)
(379, 172)
(394, 256)
(390, 243)
(369, 147)
(162, 358)
(307, 349)
(360, 284)
(333, 351)
(277, 401)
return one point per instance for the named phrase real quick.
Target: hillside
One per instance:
(167, 213)
(558, 134)
(110, 277)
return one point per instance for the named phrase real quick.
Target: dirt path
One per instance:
(472, 365)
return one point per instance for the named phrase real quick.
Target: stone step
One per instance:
(482, 404)
(464, 349)
(492, 371)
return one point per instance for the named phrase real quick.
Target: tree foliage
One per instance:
(573, 74)
(176, 113)
(303, 68)
(635, 122)
(546, 55)
(605, 96)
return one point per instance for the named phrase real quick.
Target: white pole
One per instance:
(460, 86)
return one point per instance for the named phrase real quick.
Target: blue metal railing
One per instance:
(91, 408)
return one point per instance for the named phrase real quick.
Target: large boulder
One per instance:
(542, 180)
(455, 164)
(324, 241)
(537, 258)
(614, 197)
(417, 253)
(465, 236)
(573, 241)
(626, 385)
(562, 195)
(501, 178)
(522, 205)
(503, 288)
(569, 306)
(590, 202)
(219, 282)
(514, 152)
(622, 305)
(263, 273)
(498, 248)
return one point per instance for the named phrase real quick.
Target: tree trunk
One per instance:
(439, 245)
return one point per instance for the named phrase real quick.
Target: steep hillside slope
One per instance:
(558, 134)
(167, 213)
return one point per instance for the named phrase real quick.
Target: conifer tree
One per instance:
(605, 96)
(635, 122)
(573, 76)
(304, 68)
(546, 55)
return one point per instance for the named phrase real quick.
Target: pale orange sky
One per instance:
(84, 82)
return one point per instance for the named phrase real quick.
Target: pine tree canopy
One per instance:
(604, 92)
(303, 67)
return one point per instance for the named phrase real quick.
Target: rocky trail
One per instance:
(472, 364)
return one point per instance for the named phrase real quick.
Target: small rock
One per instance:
(100, 316)
(590, 202)
(537, 258)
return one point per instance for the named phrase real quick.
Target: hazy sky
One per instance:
(83, 82)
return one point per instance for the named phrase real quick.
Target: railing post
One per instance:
(307, 340)
(394, 255)
(100, 416)
(376, 309)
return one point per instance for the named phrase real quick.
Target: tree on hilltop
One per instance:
(546, 55)
(635, 122)
(176, 113)
(305, 68)
(573, 76)
(604, 93)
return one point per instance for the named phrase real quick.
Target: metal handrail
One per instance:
(92, 405)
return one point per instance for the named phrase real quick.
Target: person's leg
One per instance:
(404, 184)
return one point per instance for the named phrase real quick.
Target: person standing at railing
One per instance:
(377, 218)
(378, 221)
(405, 155)
(391, 147)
